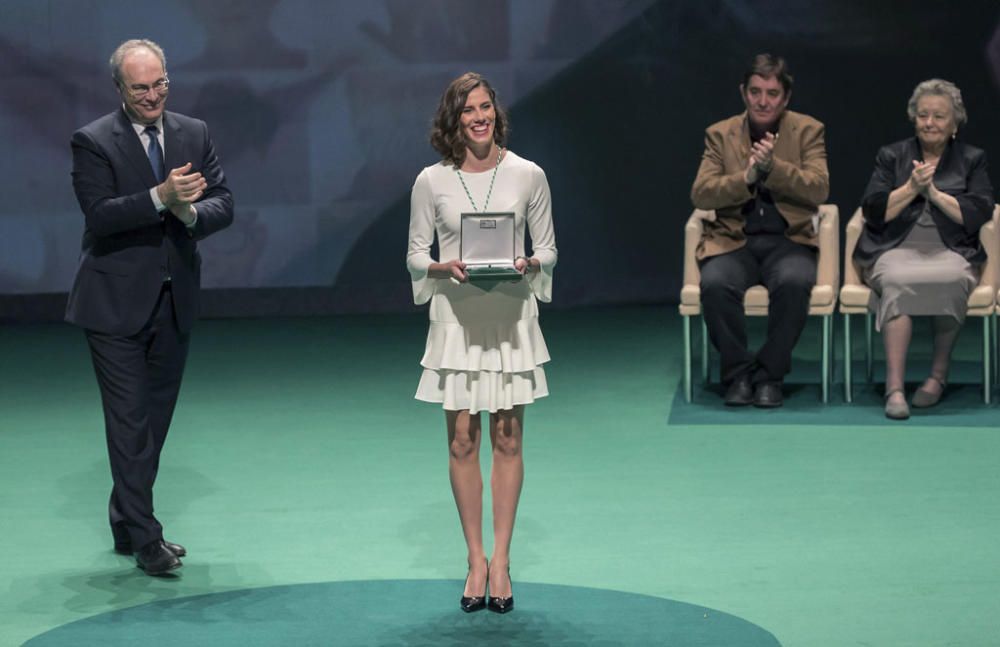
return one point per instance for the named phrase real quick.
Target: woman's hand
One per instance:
(453, 269)
(922, 176)
(524, 265)
(456, 270)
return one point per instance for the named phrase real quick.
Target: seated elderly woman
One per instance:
(920, 250)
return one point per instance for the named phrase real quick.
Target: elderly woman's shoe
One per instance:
(896, 410)
(923, 398)
(470, 603)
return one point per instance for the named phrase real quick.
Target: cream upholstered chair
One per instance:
(854, 296)
(755, 302)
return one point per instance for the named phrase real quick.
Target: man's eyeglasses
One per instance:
(141, 91)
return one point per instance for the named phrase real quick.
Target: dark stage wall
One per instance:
(320, 111)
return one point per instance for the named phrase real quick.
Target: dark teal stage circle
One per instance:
(409, 612)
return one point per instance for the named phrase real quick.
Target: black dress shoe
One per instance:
(740, 392)
(470, 603)
(125, 548)
(502, 605)
(767, 395)
(156, 559)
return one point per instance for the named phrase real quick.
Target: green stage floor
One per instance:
(311, 491)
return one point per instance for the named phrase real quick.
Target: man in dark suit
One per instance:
(150, 186)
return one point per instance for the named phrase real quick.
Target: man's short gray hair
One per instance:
(128, 46)
(940, 88)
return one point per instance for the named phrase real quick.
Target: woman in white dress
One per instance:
(484, 349)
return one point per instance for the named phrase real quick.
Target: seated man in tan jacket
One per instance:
(764, 174)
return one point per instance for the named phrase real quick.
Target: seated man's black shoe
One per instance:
(155, 559)
(767, 395)
(740, 392)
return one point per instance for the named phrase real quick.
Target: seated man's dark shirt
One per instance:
(760, 216)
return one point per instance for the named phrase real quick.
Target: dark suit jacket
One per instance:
(799, 181)
(128, 247)
(961, 173)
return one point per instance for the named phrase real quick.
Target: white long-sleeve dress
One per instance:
(484, 348)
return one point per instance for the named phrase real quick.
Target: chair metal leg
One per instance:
(688, 388)
(831, 342)
(869, 361)
(987, 372)
(825, 366)
(995, 342)
(705, 370)
(848, 391)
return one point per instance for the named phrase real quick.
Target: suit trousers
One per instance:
(139, 377)
(788, 271)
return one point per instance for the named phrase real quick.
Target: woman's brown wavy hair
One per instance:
(446, 130)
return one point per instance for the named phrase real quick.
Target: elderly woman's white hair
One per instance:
(941, 88)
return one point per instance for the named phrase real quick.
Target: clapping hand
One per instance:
(180, 189)
(922, 176)
(761, 158)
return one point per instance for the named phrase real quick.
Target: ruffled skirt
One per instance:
(483, 367)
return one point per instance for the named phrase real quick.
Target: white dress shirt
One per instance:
(140, 131)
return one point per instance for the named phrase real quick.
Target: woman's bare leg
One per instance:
(464, 434)
(506, 435)
(896, 335)
(946, 331)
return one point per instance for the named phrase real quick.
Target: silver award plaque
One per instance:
(487, 246)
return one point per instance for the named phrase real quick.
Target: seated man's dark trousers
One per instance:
(788, 271)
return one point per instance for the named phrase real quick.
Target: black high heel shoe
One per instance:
(498, 604)
(470, 603)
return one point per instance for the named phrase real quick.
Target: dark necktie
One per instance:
(155, 154)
